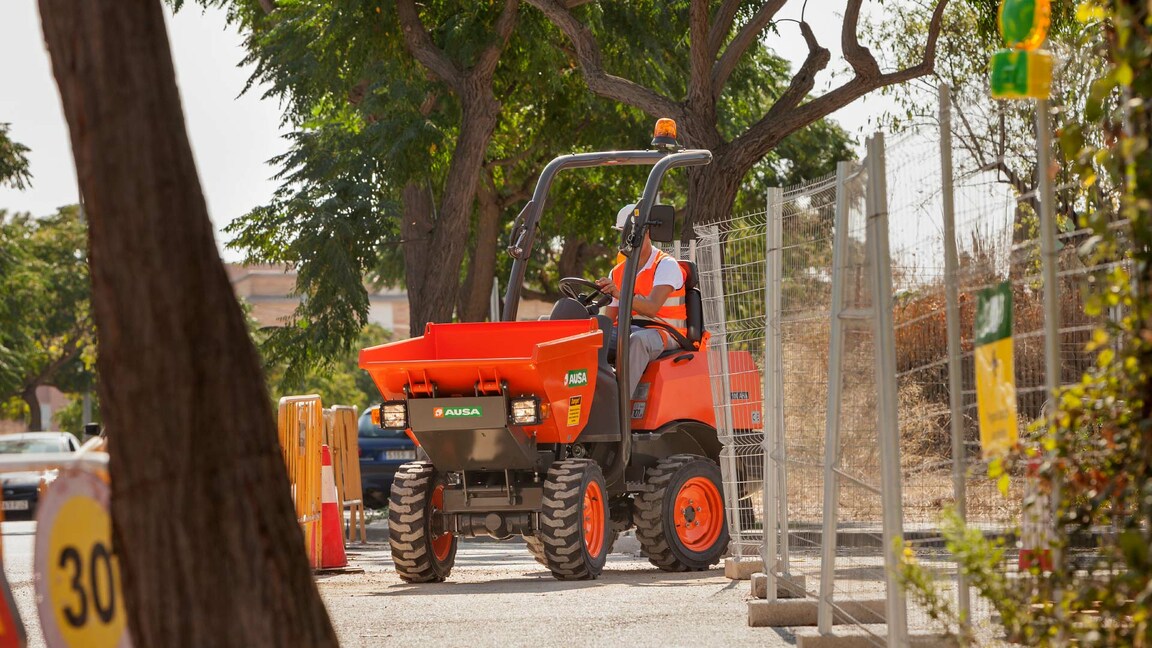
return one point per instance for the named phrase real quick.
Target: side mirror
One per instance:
(662, 223)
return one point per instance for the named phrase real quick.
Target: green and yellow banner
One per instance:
(995, 370)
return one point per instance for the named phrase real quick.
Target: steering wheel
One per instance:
(586, 292)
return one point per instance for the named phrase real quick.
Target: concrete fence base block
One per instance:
(797, 612)
(858, 637)
(787, 587)
(741, 569)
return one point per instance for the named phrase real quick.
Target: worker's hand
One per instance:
(607, 287)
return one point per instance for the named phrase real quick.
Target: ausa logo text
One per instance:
(576, 378)
(456, 412)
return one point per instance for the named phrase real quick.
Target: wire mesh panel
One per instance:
(853, 563)
(739, 303)
(731, 266)
(808, 216)
(996, 234)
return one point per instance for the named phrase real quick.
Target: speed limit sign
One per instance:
(77, 575)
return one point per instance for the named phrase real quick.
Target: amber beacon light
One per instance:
(664, 136)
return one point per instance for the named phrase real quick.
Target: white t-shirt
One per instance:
(667, 274)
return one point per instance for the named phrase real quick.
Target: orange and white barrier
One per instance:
(332, 553)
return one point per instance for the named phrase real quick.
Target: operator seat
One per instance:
(693, 304)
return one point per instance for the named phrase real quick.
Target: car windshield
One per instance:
(23, 446)
(370, 431)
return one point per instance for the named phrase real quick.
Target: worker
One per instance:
(659, 295)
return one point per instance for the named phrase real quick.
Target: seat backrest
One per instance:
(692, 302)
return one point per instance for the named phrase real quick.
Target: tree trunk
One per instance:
(441, 282)
(712, 191)
(574, 258)
(416, 232)
(209, 547)
(477, 291)
(35, 421)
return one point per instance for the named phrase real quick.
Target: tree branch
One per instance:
(268, 6)
(592, 67)
(778, 123)
(699, 58)
(486, 62)
(804, 79)
(721, 23)
(422, 48)
(748, 35)
(857, 55)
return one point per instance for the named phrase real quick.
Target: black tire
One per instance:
(536, 546)
(574, 516)
(419, 552)
(656, 515)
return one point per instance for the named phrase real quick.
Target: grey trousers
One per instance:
(645, 345)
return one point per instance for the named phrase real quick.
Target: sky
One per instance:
(233, 135)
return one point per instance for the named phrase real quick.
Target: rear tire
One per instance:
(574, 521)
(680, 521)
(420, 551)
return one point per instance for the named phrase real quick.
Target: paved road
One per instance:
(498, 596)
(19, 540)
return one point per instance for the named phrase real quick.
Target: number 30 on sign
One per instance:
(77, 575)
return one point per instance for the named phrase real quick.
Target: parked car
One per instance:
(382, 452)
(22, 489)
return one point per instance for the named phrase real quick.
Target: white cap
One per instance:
(622, 215)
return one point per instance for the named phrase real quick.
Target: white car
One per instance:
(22, 489)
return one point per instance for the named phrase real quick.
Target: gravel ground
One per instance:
(498, 595)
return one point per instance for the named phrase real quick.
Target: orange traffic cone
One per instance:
(332, 554)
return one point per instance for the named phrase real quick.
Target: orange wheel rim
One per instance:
(594, 519)
(441, 544)
(698, 514)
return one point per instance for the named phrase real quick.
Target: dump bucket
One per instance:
(553, 360)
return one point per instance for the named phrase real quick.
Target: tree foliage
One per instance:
(385, 99)
(339, 382)
(46, 331)
(14, 170)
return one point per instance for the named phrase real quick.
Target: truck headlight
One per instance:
(526, 410)
(394, 415)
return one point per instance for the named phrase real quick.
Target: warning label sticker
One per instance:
(573, 411)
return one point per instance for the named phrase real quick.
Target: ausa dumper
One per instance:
(527, 426)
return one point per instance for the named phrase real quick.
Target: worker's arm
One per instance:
(646, 305)
(650, 305)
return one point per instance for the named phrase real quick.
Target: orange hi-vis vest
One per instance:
(673, 312)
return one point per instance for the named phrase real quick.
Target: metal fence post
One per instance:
(1048, 251)
(775, 494)
(952, 297)
(832, 415)
(888, 426)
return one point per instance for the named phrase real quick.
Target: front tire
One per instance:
(680, 521)
(574, 521)
(421, 551)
